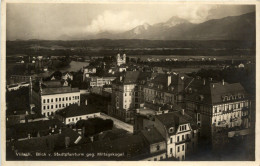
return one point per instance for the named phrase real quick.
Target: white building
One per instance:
(87, 71)
(127, 94)
(50, 98)
(67, 76)
(120, 59)
(221, 105)
(73, 113)
(179, 132)
(100, 81)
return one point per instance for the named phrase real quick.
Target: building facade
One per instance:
(120, 59)
(87, 71)
(179, 132)
(50, 99)
(95, 81)
(220, 105)
(127, 94)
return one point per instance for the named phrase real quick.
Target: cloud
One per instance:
(113, 22)
(194, 13)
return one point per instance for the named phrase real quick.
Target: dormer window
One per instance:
(171, 130)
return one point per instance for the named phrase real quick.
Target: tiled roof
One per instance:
(47, 143)
(213, 93)
(177, 82)
(22, 130)
(58, 90)
(132, 145)
(133, 77)
(174, 119)
(75, 110)
(51, 84)
(152, 135)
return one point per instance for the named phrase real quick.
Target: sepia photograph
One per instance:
(125, 81)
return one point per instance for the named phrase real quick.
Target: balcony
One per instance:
(183, 141)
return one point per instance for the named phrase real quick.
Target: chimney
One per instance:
(223, 82)
(169, 80)
(182, 112)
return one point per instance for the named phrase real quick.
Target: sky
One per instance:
(52, 21)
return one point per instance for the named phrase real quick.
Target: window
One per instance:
(59, 105)
(183, 157)
(155, 159)
(63, 105)
(48, 107)
(69, 120)
(72, 119)
(182, 147)
(43, 100)
(66, 98)
(178, 138)
(51, 100)
(56, 99)
(183, 137)
(171, 151)
(184, 127)
(171, 140)
(178, 149)
(76, 118)
(48, 100)
(51, 106)
(161, 158)
(158, 147)
(59, 99)
(44, 107)
(187, 136)
(63, 99)
(69, 98)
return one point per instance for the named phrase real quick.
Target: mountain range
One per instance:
(229, 28)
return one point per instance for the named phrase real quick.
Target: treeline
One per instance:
(135, 43)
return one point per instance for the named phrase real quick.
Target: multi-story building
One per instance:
(50, 97)
(73, 113)
(166, 89)
(179, 132)
(127, 94)
(95, 81)
(218, 104)
(120, 59)
(87, 71)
